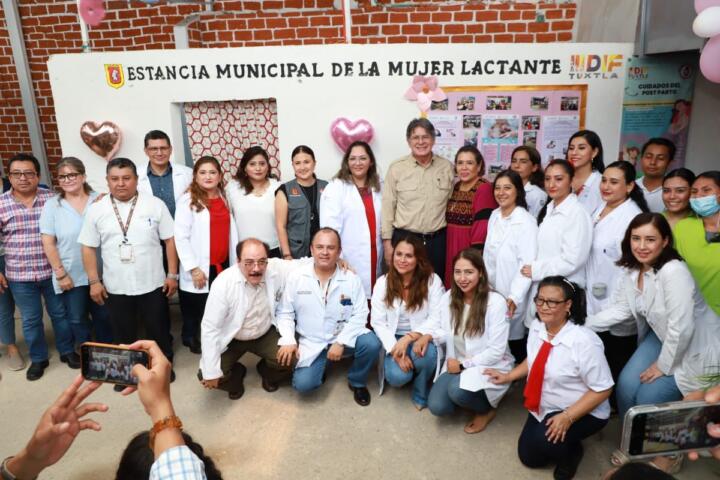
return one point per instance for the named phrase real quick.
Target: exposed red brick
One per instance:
(510, 15)
(494, 27)
(546, 37)
(560, 26)
(538, 27)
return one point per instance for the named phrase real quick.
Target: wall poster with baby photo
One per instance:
(497, 119)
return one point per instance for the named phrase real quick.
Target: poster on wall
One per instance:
(496, 120)
(657, 103)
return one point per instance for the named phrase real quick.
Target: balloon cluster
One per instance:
(707, 25)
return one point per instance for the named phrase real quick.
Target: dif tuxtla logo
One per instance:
(591, 66)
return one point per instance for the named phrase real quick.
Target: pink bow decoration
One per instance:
(92, 11)
(425, 90)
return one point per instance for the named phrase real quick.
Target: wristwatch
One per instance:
(173, 276)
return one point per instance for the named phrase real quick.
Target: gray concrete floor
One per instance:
(282, 435)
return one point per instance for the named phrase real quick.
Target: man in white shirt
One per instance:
(657, 153)
(167, 181)
(239, 318)
(128, 226)
(327, 309)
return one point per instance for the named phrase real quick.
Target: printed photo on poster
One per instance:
(499, 103)
(530, 139)
(471, 137)
(472, 121)
(539, 103)
(569, 103)
(442, 105)
(500, 128)
(466, 103)
(531, 122)
(446, 151)
(556, 131)
(447, 129)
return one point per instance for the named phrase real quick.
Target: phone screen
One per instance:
(109, 364)
(669, 431)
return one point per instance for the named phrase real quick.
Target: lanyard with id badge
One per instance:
(126, 249)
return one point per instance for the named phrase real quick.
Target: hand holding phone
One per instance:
(109, 363)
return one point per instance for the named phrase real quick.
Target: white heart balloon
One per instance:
(707, 23)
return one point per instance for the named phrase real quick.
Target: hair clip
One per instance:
(569, 283)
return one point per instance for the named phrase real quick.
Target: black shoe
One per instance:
(269, 386)
(236, 395)
(567, 467)
(36, 370)
(172, 376)
(193, 345)
(72, 359)
(361, 395)
(119, 388)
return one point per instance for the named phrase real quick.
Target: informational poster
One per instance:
(498, 119)
(657, 103)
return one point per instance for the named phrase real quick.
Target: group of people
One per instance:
(578, 277)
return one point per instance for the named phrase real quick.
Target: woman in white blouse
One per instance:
(351, 204)
(511, 243)
(622, 200)
(251, 195)
(405, 316)
(679, 334)
(526, 161)
(568, 380)
(474, 329)
(564, 234)
(585, 153)
(205, 238)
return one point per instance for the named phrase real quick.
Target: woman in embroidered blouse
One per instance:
(469, 207)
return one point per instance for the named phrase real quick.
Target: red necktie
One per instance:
(533, 387)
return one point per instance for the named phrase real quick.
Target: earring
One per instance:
(567, 314)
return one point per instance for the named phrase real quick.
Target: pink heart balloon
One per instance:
(92, 11)
(345, 132)
(103, 139)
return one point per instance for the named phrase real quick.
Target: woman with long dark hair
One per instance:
(475, 330)
(526, 162)
(251, 196)
(568, 380)
(585, 153)
(676, 188)
(405, 316)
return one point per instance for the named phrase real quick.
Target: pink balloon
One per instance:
(92, 11)
(710, 59)
(345, 131)
(701, 5)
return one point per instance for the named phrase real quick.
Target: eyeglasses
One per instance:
(70, 177)
(251, 263)
(551, 304)
(18, 175)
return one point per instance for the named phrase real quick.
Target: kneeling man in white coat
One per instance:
(327, 309)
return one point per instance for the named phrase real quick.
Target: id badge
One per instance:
(339, 327)
(126, 253)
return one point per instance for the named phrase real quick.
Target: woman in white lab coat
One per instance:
(622, 201)
(351, 204)
(585, 153)
(205, 238)
(564, 233)
(679, 334)
(405, 316)
(511, 243)
(474, 329)
(526, 161)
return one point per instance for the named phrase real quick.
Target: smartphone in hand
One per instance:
(103, 362)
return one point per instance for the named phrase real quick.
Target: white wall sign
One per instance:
(313, 86)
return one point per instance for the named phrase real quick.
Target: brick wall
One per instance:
(51, 27)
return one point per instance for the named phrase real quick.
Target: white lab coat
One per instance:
(320, 318)
(590, 196)
(192, 241)
(226, 310)
(424, 320)
(564, 240)
(511, 243)
(489, 350)
(677, 313)
(535, 197)
(342, 208)
(606, 249)
(182, 177)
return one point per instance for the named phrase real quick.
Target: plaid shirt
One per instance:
(25, 260)
(178, 463)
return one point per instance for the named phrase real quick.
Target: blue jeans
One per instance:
(27, 297)
(367, 348)
(7, 312)
(629, 390)
(446, 395)
(78, 304)
(423, 371)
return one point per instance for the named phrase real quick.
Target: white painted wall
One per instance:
(306, 106)
(607, 21)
